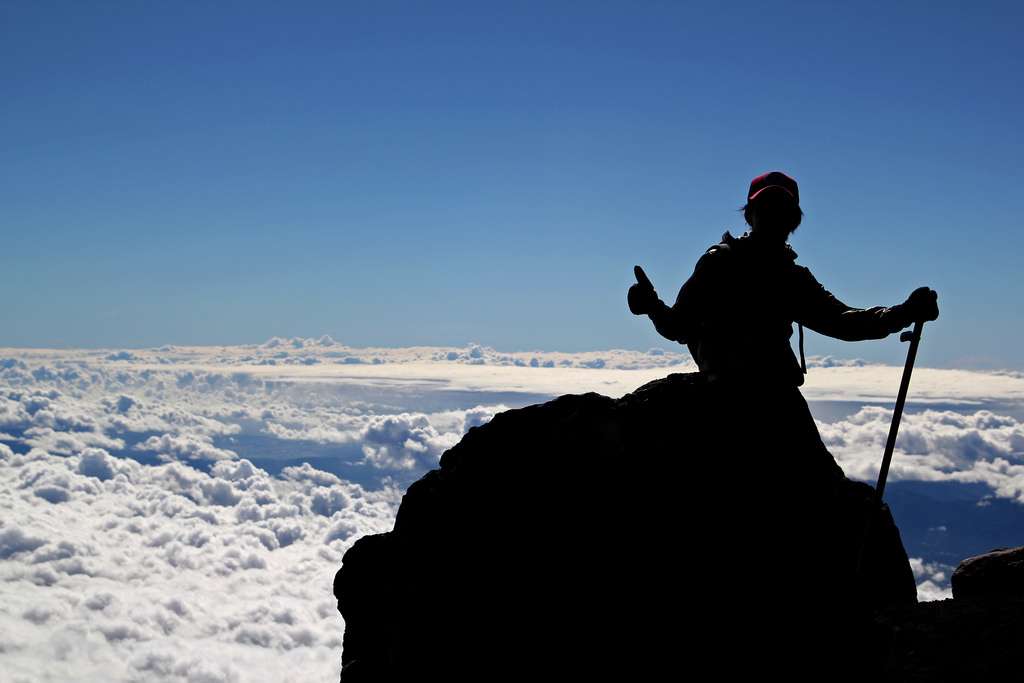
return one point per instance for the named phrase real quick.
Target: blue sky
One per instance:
(433, 173)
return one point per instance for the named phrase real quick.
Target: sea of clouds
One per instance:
(177, 514)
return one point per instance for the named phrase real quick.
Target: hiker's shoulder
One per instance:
(719, 257)
(722, 249)
(804, 279)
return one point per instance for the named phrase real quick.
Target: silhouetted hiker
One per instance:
(736, 312)
(736, 315)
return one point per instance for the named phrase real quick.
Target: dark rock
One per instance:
(999, 573)
(964, 639)
(975, 636)
(686, 527)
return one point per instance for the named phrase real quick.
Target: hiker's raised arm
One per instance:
(677, 322)
(819, 310)
(643, 300)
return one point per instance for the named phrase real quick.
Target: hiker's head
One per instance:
(773, 204)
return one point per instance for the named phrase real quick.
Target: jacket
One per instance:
(736, 312)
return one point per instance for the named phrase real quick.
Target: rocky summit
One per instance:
(687, 526)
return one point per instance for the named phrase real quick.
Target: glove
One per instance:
(642, 298)
(922, 304)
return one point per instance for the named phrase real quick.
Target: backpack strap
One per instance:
(803, 363)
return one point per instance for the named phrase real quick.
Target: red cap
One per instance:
(776, 179)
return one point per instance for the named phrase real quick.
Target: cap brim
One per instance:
(771, 187)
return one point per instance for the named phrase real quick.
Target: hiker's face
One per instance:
(774, 215)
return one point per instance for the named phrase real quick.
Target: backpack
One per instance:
(726, 246)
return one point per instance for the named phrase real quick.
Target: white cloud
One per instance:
(14, 541)
(402, 441)
(188, 447)
(68, 442)
(146, 574)
(932, 579)
(96, 462)
(933, 445)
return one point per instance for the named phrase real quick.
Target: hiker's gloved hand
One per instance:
(642, 298)
(922, 304)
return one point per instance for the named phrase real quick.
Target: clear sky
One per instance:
(398, 173)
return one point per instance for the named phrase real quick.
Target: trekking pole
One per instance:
(914, 338)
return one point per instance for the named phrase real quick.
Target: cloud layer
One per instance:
(116, 570)
(933, 445)
(138, 543)
(177, 514)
